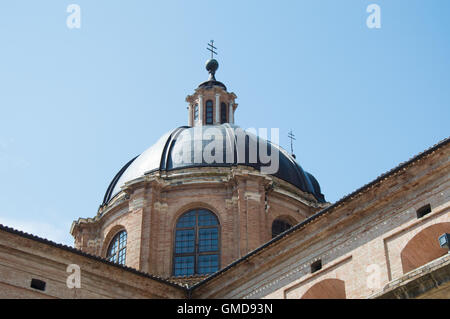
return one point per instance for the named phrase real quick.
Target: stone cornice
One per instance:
(418, 282)
(200, 176)
(210, 91)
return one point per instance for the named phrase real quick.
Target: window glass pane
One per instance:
(223, 113)
(184, 266)
(208, 239)
(209, 112)
(187, 220)
(205, 218)
(208, 264)
(112, 248)
(122, 239)
(196, 112)
(185, 241)
(279, 226)
(121, 257)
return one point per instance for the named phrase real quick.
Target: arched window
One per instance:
(223, 113)
(209, 112)
(117, 249)
(196, 250)
(195, 112)
(279, 226)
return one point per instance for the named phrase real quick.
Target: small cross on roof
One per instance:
(212, 48)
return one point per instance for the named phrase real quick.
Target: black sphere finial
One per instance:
(211, 66)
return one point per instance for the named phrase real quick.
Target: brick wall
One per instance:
(23, 259)
(239, 197)
(355, 240)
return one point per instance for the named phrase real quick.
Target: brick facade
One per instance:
(148, 210)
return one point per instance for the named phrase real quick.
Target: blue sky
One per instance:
(76, 104)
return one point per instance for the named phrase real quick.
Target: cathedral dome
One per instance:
(165, 155)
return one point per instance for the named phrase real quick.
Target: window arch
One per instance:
(209, 112)
(117, 249)
(279, 226)
(223, 113)
(196, 246)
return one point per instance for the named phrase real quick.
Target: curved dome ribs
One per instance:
(316, 186)
(300, 176)
(113, 183)
(166, 155)
(160, 157)
(231, 140)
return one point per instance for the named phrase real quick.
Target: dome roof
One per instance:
(165, 155)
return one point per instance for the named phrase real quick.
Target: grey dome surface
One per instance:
(165, 155)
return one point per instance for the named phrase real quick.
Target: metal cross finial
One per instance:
(292, 137)
(212, 48)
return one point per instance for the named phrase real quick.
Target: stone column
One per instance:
(231, 113)
(200, 110)
(190, 114)
(217, 108)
